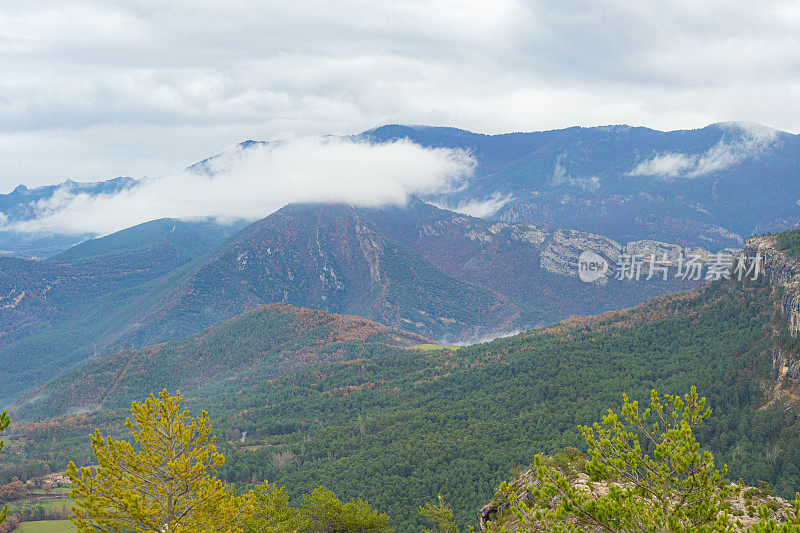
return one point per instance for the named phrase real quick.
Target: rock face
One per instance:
(783, 273)
(787, 367)
(561, 255)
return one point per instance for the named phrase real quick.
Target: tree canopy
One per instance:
(654, 476)
(321, 512)
(163, 482)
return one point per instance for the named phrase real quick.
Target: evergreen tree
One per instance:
(441, 515)
(272, 513)
(321, 512)
(676, 489)
(163, 483)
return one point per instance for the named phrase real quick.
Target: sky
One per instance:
(96, 89)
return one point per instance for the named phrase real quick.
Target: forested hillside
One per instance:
(328, 257)
(397, 426)
(257, 346)
(55, 314)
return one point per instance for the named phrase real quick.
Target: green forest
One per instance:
(397, 426)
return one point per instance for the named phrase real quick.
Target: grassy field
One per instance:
(41, 492)
(47, 526)
(46, 503)
(426, 347)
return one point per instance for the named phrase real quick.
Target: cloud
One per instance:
(249, 183)
(667, 165)
(480, 208)
(561, 176)
(100, 88)
(740, 141)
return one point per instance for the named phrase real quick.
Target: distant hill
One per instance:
(22, 204)
(258, 345)
(166, 238)
(55, 314)
(398, 424)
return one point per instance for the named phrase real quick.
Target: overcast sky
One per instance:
(91, 90)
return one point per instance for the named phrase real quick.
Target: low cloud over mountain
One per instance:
(257, 179)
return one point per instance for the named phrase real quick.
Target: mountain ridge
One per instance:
(707, 186)
(154, 283)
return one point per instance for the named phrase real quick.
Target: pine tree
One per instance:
(164, 483)
(321, 512)
(441, 515)
(674, 489)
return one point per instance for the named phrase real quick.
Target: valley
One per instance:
(443, 275)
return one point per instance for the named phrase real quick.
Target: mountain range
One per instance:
(710, 187)
(401, 351)
(430, 271)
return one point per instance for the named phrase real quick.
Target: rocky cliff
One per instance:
(782, 270)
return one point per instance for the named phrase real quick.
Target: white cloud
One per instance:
(480, 208)
(668, 165)
(740, 141)
(251, 183)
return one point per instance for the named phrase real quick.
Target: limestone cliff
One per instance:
(563, 247)
(783, 273)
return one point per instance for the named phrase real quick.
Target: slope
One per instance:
(398, 426)
(259, 345)
(54, 314)
(168, 238)
(530, 265)
(327, 257)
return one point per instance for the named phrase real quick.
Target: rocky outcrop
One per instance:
(744, 502)
(786, 366)
(560, 255)
(659, 249)
(783, 273)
